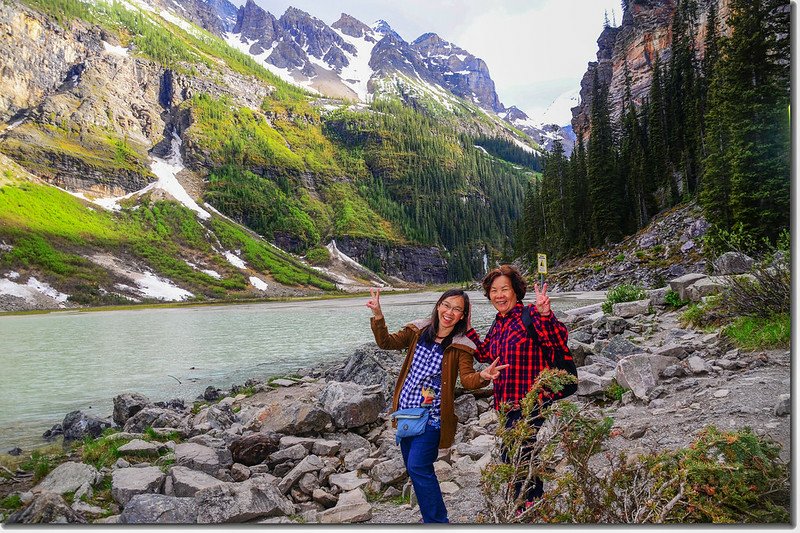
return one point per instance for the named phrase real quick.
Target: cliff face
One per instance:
(645, 32)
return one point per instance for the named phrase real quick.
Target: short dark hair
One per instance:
(517, 280)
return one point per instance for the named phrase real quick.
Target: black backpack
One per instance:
(558, 357)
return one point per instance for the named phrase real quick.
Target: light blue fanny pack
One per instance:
(411, 422)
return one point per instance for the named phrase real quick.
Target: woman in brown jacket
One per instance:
(437, 349)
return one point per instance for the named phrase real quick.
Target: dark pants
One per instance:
(419, 454)
(535, 486)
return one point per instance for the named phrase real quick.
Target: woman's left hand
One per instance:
(542, 300)
(492, 372)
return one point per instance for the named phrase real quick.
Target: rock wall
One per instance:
(646, 31)
(419, 264)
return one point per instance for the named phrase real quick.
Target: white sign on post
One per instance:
(542, 263)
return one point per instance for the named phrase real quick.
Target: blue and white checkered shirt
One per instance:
(425, 371)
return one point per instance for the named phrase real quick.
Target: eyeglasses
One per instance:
(448, 307)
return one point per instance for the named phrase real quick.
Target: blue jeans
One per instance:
(419, 454)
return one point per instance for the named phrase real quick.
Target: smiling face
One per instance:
(450, 311)
(502, 294)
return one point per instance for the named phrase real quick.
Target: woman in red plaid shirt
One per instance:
(508, 340)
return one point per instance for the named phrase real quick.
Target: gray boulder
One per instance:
(326, 447)
(128, 482)
(354, 458)
(619, 347)
(697, 365)
(140, 448)
(127, 405)
(784, 405)
(157, 417)
(671, 349)
(682, 284)
(312, 463)
(186, 482)
(705, 287)
(640, 372)
(465, 408)
(389, 472)
(68, 477)
(292, 453)
(254, 449)
(351, 405)
(733, 263)
(47, 508)
(631, 309)
(77, 425)
(658, 296)
(349, 441)
(241, 502)
(368, 366)
(299, 417)
(351, 508)
(197, 457)
(591, 384)
(347, 480)
(159, 509)
(579, 350)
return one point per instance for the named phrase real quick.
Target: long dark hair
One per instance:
(429, 335)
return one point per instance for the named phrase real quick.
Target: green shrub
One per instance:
(40, 464)
(767, 292)
(673, 299)
(620, 258)
(318, 256)
(623, 293)
(11, 502)
(758, 333)
(615, 391)
(721, 477)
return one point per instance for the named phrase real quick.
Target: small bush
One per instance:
(615, 391)
(11, 502)
(40, 464)
(767, 292)
(620, 258)
(623, 293)
(318, 256)
(673, 299)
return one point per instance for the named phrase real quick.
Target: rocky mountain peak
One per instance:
(255, 24)
(382, 27)
(514, 113)
(352, 26)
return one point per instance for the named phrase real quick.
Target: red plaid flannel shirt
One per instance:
(509, 341)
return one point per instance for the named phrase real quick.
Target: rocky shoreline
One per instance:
(319, 448)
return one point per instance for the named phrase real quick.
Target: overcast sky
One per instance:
(536, 50)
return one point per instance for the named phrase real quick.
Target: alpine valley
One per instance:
(190, 149)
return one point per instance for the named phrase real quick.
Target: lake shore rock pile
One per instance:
(320, 448)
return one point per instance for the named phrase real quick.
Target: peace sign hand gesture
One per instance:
(542, 300)
(492, 372)
(374, 303)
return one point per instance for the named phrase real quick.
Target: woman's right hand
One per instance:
(374, 303)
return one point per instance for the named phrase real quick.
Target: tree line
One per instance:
(714, 127)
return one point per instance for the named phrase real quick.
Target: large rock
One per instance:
(128, 482)
(368, 366)
(159, 509)
(353, 459)
(477, 447)
(254, 449)
(349, 441)
(351, 405)
(157, 417)
(47, 508)
(465, 408)
(347, 481)
(733, 263)
(68, 477)
(591, 384)
(658, 296)
(351, 508)
(77, 425)
(296, 418)
(240, 502)
(197, 457)
(619, 347)
(640, 372)
(127, 405)
(312, 463)
(186, 482)
(631, 309)
(292, 453)
(682, 284)
(389, 472)
(140, 448)
(705, 287)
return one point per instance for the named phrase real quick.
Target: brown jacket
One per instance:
(457, 358)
